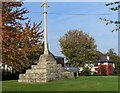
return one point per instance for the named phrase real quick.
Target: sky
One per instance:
(60, 23)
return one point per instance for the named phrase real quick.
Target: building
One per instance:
(60, 60)
(105, 65)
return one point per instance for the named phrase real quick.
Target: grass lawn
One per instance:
(83, 83)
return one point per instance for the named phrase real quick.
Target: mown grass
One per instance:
(83, 83)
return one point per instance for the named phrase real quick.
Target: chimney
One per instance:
(108, 58)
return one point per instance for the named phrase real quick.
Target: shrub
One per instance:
(96, 74)
(87, 71)
(103, 71)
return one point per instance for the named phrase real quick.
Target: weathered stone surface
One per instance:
(68, 74)
(46, 70)
(49, 58)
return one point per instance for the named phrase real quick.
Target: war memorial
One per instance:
(47, 69)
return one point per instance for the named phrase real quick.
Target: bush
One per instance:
(9, 76)
(103, 71)
(96, 74)
(87, 71)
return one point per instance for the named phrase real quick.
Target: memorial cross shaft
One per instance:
(46, 50)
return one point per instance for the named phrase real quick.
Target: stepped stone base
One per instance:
(45, 71)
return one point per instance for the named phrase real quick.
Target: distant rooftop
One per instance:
(104, 58)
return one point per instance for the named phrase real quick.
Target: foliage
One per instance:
(33, 57)
(113, 56)
(113, 8)
(78, 47)
(111, 52)
(116, 22)
(12, 14)
(18, 41)
(96, 74)
(6, 75)
(87, 71)
(103, 71)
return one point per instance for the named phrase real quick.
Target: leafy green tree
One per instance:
(116, 7)
(113, 56)
(78, 47)
(110, 21)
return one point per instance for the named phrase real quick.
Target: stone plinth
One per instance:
(45, 71)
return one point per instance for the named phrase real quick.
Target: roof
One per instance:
(108, 61)
(58, 57)
(103, 58)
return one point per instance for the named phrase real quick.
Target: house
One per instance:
(108, 66)
(105, 64)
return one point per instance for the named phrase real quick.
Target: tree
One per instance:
(113, 56)
(78, 47)
(19, 41)
(115, 22)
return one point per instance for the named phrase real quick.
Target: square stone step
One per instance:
(40, 66)
(35, 75)
(36, 71)
(33, 66)
(21, 76)
(45, 71)
(33, 80)
(48, 65)
(25, 80)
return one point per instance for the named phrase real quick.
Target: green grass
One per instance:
(84, 83)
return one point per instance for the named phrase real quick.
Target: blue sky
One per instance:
(59, 24)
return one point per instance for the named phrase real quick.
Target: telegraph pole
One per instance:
(46, 51)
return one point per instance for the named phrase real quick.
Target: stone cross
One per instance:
(47, 69)
(46, 51)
